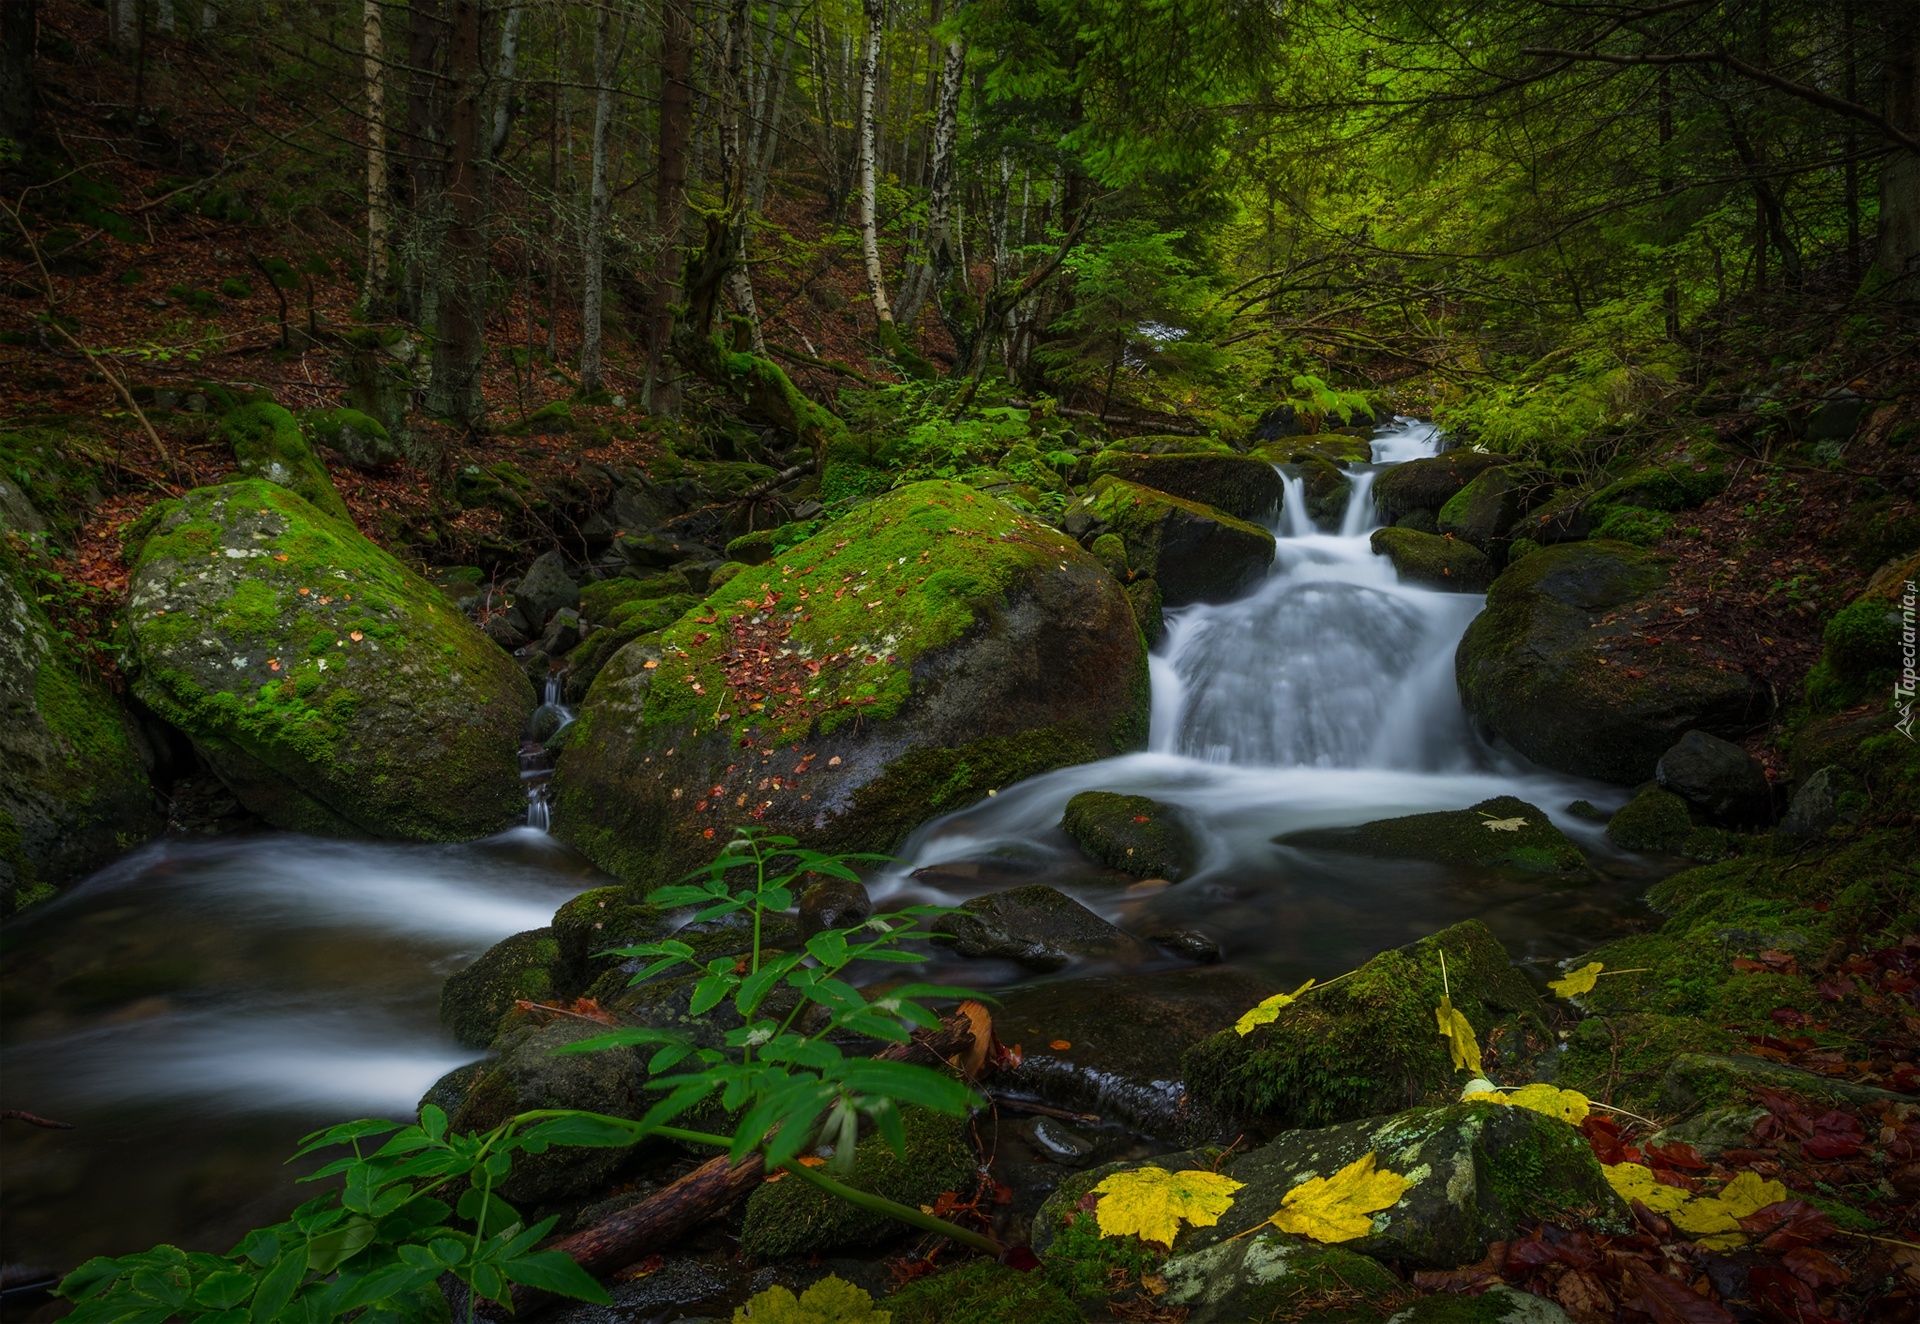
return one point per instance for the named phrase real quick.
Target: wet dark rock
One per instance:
(1542, 666)
(1326, 489)
(1061, 1143)
(1126, 1036)
(1436, 562)
(1654, 820)
(1037, 926)
(1280, 421)
(1588, 810)
(1562, 518)
(545, 724)
(653, 550)
(1837, 417)
(1256, 1277)
(545, 589)
(1242, 486)
(1430, 483)
(1503, 831)
(1484, 511)
(1194, 552)
(1421, 520)
(631, 622)
(1722, 780)
(591, 923)
(1334, 446)
(1143, 595)
(1366, 1045)
(1815, 807)
(1131, 833)
(502, 629)
(1187, 944)
(1477, 1172)
(473, 1000)
(833, 903)
(562, 633)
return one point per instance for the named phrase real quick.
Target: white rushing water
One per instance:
(1324, 697)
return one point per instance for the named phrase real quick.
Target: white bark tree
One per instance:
(875, 11)
(593, 277)
(374, 44)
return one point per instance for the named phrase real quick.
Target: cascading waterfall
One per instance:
(536, 762)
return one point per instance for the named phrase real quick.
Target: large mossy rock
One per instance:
(1477, 1173)
(1655, 819)
(268, 445)
(983, 1292)
(1325, 488)
(1429, 484)
(1485, 510)
(1432, 561)
(1194, 552)
(1547, 665)
(1334, 446)
(1367, 1045)
(1242, 486)
(74, 792)
(1131, 833)
(334, 690)
(1501, 832)
(473, 1000)
(928, 648)
(792, 1217)
(360, 439)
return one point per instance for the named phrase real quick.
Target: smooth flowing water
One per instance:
(198, 1006)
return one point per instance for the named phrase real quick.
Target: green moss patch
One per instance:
(1131, 833)
(983, 1292)
(1434, 561)
(473, 1000)
(1654, 820)
(1501, 832)
(267, 444)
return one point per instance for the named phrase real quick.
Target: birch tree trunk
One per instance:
(209, 16)
(454, 391)
(592, 275)
(869, 231)
(163, 16)
(502, 118)
(125, 15)
(670, 185)
(375, 53)
(933, 273)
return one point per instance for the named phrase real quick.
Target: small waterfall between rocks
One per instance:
(536, 759)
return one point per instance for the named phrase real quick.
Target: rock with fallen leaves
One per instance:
(917, 654)
(1580, 663)
(1361, 1044)
(1132, 833)
(330, 687)
(1432, 561)
(75, 792)
(1501, 832)
(518, 968)
(1441, 1186)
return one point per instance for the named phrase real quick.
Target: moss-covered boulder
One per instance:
(332, 689)
(1564, 665)
(1432, 561)
(1367, 1044)
(1194, 552)
(983, 1292)
(1476, 1173)
(793, 1217)
(1242, 486)
(267, 444)
(590, 924)
(928, 648)
(1501, 832)
(360, 439)
(1259, 1277)
(1334, 446)
(632, 620)
(1037, 926)
(1325, 488)
(1680, 480)
(473, 1000)
(1430, 483)
(1484, 511)
(1132, 833)
(75, 791)
(1625, 1058)
(1860, 657)
(1655, 820)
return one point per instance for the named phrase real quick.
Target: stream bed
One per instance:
(195, 1008)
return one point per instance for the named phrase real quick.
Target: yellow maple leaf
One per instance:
(1580, 981)
(1570, 1106)
(1151, 1203)
(1268, 1010)
(1503, 824)
(1715, 1219)
(1457, 1030)
(1631, 1181)
(1340, 1207)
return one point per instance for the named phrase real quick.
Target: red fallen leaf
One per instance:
(1782, 1297)
(1671, 1302)
(1650, 1222)
(1815, 1267)
(1676, 1155)
(1584, 1297)
(1021, 1258)
(1788, 1016)
(702, 637)
(1785, 1224)
(1141, 818)
(1575, 1250)
(1829, 1147)
(1746, 967)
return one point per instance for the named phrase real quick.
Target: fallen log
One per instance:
(712, 1188)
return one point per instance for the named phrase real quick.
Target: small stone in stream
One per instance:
(500, 628)
(1588, 810)
(1476, 1173)
(1037, 926)
(1424, 558)
(545, 589)
(1131, 833)
(1503, 831)
(1060, 1142)
(545, 723)
(1815, 807)
(833, 903)
(1188, 944)
(563, 632)
(1653, 820)
(1725, 782)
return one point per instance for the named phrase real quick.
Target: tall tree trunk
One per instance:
(375, 53)
(425, 157)
(163, 16)
(1898, 244)
(933, 274)
(454, 391)
(19, 26)
(592, 275)
(770, 137)
(125, 17)
(209, 16)
(670, 187)
(869, 230)
(502, 118)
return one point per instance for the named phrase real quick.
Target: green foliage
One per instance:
(832, 1300)
(373, 1249)
(983, 1292)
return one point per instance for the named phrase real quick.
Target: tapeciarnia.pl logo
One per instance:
(1903, 686)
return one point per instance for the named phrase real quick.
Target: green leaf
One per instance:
(588, 1131)
(433, 1121)
(555, 1272)
(829, 948)
(328, 1252)
(709, 991)
(224, 1290)
(754, 988)
(278, 1287)
(886, 1117)
(345, 1133)
(90, 1278)
(626, 1038)
(906, 1083)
